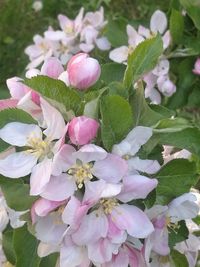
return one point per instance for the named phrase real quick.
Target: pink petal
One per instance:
(88, 153)
(133, 220)
(42, 207)
(136, 187)
(52, 67)
(8, 103)
(74, 212)
(110, 169)
(63, 159)
(87, 233)
(59, 188)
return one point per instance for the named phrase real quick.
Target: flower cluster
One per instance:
(84, 33)
(157, 81)
(90, 201)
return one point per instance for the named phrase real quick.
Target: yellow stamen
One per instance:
(38, 147)
(81, 172)
(172, 226)
(108, 204)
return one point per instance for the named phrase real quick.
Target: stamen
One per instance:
(172, 226)
(108, 204)
(81, 172)
(39, 147)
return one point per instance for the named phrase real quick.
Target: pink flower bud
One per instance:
(83, 71)
(196, 69)
(82, 130)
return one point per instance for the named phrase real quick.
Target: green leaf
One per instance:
(17, 194)
(49, 261)
(56, 90)
(142, 112)
(176, 26)
(171, 125)
(179, 259)
(8, 248)
(116, 32)
(13, 115)
(143, 59)
(186, 139)
(192, 8)
(174, 179)
(117, 119)
(25, 246)
(178, 235)
(112, 72)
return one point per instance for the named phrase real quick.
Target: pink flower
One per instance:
(82, 130)
(196, 69)
(83, 71)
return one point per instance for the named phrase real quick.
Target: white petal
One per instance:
(17, 133)
(64, 76)
(136, 138)
(46, 249)
(147, 166)
(103, 43)
(183, 207)
(54, 120)
(153, 95)
(119, 54)
(158, 22)
(40, 176)
(17, 165)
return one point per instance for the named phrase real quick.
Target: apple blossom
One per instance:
(196, 69)
(37, 158)
(82, 130)
(164, 217)
(73, 169)
(83, 71)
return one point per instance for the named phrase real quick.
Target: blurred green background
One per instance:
(19, 23)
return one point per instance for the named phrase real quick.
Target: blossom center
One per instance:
(81, 172)
(39, 147)
(108, 204)
(172, 226)
(69, 29)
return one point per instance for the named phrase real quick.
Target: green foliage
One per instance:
(16, 193)
(112, 72)
(49, 261)
(25, 246)
(7, 243)
(186, 139)
(13, 115)
(184, 84)
(176, 26)
(192, 8)
(143, 114)
(143, 59)
(116, 32)
(178, 235)
(117, 119)
(56, 90)
(174, 179)
(179, 259)
(170, 125)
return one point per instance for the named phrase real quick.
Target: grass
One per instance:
(19, 22)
